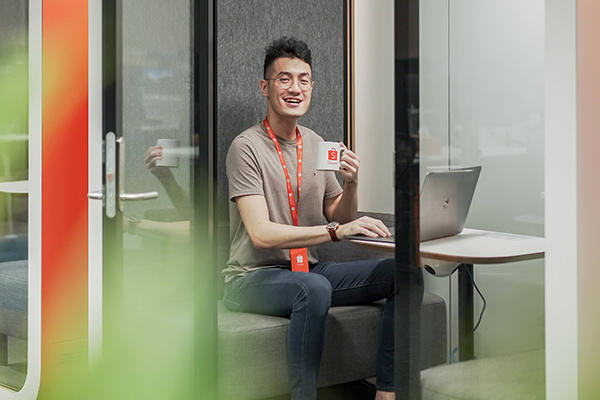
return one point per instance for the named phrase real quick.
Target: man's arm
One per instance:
(266, 234)
(343, 207)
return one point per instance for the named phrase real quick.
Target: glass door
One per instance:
(154, 313)
(14, 194)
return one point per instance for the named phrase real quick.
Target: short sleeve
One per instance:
(332, 186)
(243, 169)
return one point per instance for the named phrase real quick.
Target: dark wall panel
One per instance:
(244, 28)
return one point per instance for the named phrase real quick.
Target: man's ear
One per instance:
(263, 88)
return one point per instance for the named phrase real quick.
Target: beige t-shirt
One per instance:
(254, 168)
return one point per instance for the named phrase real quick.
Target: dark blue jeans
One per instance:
(305, 298)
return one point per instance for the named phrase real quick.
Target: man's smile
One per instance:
(292, 100)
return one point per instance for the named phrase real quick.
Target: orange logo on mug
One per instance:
(332, 154)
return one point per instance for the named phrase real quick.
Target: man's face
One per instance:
(291, 102)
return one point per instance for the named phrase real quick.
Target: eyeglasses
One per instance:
(305, 82)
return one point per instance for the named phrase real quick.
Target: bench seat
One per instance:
(252, 348)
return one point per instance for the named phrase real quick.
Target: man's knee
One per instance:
(386, 272)
(314, 292)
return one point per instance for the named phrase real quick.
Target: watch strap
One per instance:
(331, 228)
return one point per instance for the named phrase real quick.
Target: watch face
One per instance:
(332, 227)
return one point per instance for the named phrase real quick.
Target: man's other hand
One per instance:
(363, 226)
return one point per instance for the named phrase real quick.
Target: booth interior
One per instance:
(469, 104)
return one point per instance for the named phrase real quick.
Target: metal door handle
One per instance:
(126, 196)
(138, 196)
(112, 147)
(95, 196)
(123, 196)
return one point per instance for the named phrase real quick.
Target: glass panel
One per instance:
(497, 121)
(482, 103)
(157, 116)
(14, 173)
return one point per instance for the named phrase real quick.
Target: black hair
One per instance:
(286, 47)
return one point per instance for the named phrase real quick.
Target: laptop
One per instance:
(445, 200)
(444, 203)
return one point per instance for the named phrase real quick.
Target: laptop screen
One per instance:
(445, 201)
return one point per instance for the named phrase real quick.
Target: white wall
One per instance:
(561, 208)
(374, 102)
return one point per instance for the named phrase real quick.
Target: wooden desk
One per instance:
(471, 247)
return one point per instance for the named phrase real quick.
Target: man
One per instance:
(278, 200)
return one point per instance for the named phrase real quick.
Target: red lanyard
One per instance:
(293, 208)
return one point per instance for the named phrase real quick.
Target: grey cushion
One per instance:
(13, 298)
(512, 377)
(252, 347)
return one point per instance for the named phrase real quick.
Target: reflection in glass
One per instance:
(13, 193)
(156, 328)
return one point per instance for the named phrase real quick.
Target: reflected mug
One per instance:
(169, 153)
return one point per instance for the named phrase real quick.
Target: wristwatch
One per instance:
(331, 228)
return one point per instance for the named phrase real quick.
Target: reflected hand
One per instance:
(152, 155)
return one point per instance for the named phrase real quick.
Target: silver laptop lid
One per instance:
(445, 201)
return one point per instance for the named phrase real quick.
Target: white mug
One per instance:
(328, 156)
(169, 153)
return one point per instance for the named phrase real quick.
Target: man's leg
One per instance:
(306, 299)
(363, 282)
